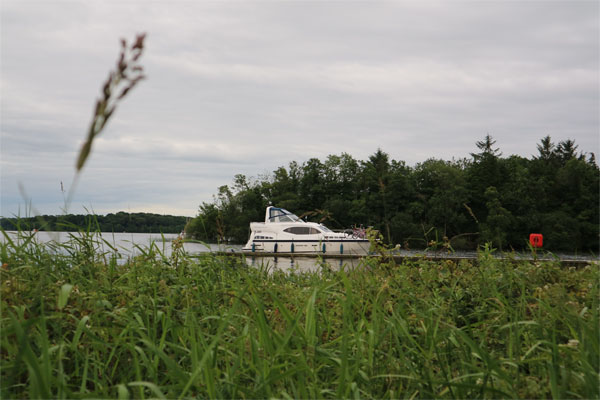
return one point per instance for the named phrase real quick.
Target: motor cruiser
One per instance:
(284, 232)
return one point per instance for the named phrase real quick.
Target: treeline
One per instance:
(462, 203)
(119, 222)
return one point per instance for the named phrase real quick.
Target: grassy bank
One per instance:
(75, 324)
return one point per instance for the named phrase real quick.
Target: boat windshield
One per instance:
(324, 228)
(282, 215)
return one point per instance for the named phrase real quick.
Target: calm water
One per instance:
(303, 264)
(132, 244)
(128, 244)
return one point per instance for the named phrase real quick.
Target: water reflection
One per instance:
(302, 264)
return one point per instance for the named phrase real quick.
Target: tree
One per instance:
(205, 225)
(566, 150)
(311, 185)
(376, 174)
(546, 149)
(482, 173)
(523, 197)
(281, 191)
(443, 192)
(487, 149)
(498, 220)
(340, 188)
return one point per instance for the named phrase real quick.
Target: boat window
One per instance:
(302, 230)
(298, 230)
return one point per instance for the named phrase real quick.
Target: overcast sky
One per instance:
(246, 87)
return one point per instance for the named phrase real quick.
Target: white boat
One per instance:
(284, 232)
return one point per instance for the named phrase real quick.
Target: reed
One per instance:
(77, 323)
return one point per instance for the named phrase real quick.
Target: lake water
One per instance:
(302, 264)
(127, 244)
(132, 244)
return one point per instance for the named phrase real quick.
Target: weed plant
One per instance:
(76, 323)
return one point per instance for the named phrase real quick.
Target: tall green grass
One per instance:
(76, 323)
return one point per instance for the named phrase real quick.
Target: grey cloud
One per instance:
(248, 87)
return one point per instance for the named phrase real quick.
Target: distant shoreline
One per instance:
(111, 222)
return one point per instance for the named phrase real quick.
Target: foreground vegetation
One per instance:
(75, 324)
(466, 203)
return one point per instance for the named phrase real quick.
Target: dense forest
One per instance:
(464, 203)
(119, 222)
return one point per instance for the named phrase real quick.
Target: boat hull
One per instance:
(343, 246)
